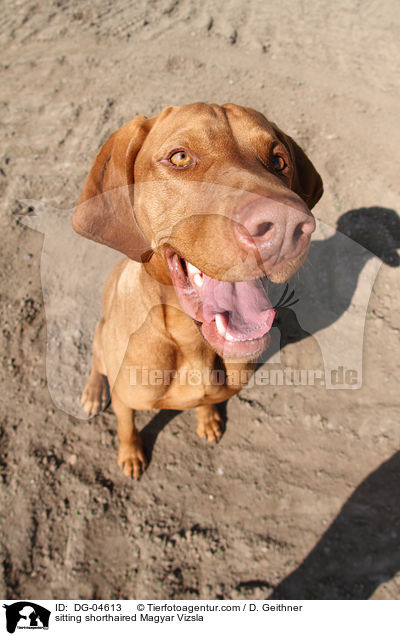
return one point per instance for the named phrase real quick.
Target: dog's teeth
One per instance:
(198, 280)
(192, 269)
(220, 325)
(229, 337)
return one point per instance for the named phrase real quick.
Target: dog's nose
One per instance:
(278, 230)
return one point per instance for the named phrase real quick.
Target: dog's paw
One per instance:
(210, 425)
(131, 458)
(95, 395)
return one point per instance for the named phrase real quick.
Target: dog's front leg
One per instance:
(131, 456)
(209, 423)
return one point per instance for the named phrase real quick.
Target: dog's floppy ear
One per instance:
(105, 211)
(306, 181)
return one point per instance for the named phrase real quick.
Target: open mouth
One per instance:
(235, 318)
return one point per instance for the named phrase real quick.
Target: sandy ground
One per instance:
(301, 497)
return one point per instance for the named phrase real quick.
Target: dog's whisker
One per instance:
(290, 304)
(282, 296)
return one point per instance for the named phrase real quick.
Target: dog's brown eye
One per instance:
(181, 159)
(278, 163)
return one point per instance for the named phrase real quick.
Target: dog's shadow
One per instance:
(151, 431)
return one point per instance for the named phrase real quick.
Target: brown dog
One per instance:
(220, 203)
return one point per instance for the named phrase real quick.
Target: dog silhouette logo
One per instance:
(26, 615)
(332, 294)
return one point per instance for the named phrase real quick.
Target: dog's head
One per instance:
(222, 197)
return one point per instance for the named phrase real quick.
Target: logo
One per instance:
(26, 615)
(330, 303)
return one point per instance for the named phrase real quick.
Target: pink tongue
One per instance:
(245, 306)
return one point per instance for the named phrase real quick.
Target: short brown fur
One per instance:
(143, 325)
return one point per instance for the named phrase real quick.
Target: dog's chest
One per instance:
(199, 375)
(176, 369)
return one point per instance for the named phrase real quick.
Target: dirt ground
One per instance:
(301, 497)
